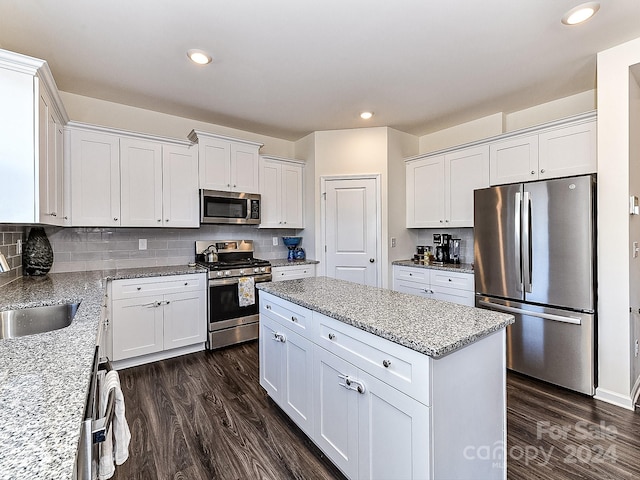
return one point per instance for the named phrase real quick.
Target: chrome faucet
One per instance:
(4, 265)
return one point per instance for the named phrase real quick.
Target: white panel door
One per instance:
(214, 168)
(394, 435)
(271, 363)
(137, 327)
(95, 179)
(244, 168)
(180, 201)
(568, 151)
(425, 193)
(270, 194)
(141, 183)
(298, 380)
(465, 171)
(351, 230)
(336, 421)
(514, 160)
(185, 319)
(292, 196)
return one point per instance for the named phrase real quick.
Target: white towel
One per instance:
(116, 444)
(246, 291)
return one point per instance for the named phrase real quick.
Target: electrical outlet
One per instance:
(636, 249)
(393, 242)
(274, 240)
(637, 347)
(142, 244)
(19, 247)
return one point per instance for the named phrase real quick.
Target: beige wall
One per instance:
(499, 123)
(116, 115)
(305, 150)
(614, 357)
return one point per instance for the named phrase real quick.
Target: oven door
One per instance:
(224, 303)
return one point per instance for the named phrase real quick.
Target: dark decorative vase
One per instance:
(37, 257)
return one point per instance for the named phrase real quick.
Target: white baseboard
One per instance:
(154, 357)
(615, 398)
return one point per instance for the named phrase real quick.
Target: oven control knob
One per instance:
(241, 271)
(263, 269)
(256, 270)
(227, 273)
(220, 273)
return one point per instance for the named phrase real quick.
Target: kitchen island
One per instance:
(388, 385)
(44, 378)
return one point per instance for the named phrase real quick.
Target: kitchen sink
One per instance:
(29, 321)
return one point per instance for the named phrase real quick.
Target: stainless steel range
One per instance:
(233, 298)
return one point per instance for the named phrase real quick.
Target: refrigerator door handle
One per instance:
(546, 316)
(518, 245)
(527, 247)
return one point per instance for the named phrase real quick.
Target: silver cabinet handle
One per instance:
(441, 221)
(138, 288)
(332, 336)
(166, 220)
(159, 220)
(268, 307)
(351, 384)
(186, 283)
(234, 186)
(533, 172)
(294, 319)
(279, 337)
(386, 363)
(542, 171)
(450, 280)
(53, 214)
(115, 219)
(152, 304)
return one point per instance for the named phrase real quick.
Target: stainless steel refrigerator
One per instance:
(534, 248)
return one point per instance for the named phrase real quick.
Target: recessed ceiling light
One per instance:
(581, 13)
(366, 115)
(199, 56)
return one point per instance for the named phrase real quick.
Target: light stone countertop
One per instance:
(431, 327)
(283, 262)
(449, 267)
(44, 378)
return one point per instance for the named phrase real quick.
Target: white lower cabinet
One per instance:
(367, 428)
(287, 359)
(455, 287)
(158, 317)
(293, 272)
(379, 410)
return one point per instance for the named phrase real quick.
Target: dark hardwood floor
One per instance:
(205, 416)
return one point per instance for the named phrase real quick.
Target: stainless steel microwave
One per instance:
(229, 207)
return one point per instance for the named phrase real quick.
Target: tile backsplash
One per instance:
(9, 237)
(425, 237)
(88, 248)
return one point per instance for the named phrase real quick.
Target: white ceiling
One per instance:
(288, 67)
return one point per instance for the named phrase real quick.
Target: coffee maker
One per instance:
(441, 243)
(454, 250)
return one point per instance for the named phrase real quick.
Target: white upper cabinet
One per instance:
(132, 180)
(141, 183)
(514, 160)
(180, 201)
(226, 163)
(31, 159)
(281, 190)
(440, 187)
(560, 150)
(95, 178)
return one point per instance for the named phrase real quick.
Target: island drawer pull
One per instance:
(386, 363)
(332, 336)
(294, 319)
(268, 307)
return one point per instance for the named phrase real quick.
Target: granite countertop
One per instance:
(432, 327)
(283, 262)
(44, 378)
(450, 267)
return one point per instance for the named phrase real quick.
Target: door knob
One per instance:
(371, 260)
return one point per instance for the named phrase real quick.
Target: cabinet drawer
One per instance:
(413, 288)
(412, 274)
(443, 278)
(157, 285)
(454, 295)
(398, 366)
(292, 273)
(294, 317)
